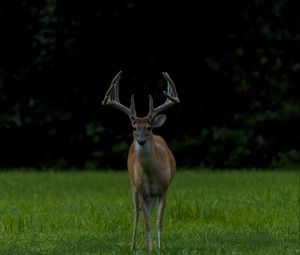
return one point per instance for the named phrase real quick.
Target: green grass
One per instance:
(232, 212)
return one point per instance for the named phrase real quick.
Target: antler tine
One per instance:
(111, 98)
(132, 106)
(111, 92)
(172, 93)
(150, 103)
(172, 98)
(117, 92)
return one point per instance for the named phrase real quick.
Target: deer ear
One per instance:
(159, 120)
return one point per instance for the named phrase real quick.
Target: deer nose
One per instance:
(141, 142)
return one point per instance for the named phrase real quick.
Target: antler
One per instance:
(172, 98)
(112, 98)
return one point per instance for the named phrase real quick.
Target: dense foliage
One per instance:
(235, 65)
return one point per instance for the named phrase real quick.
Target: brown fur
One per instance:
(151, 164)
(151, 168)
(161, 168)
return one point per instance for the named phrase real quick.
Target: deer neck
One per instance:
(146, 153)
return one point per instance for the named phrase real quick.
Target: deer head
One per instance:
(142, 126)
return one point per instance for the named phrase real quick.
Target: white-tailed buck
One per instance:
(151, 164)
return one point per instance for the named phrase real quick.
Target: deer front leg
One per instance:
(147, 217)
(136, 205)
(160, 214)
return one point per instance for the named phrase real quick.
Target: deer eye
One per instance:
(134, 128)
(149, 127)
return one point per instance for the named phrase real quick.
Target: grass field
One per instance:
(208, 212)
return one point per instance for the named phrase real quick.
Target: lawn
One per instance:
(208, 212)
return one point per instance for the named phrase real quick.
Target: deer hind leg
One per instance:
(136, 204)
(146, 208)
(160, 214)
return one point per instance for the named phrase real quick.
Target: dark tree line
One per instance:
(235, 64)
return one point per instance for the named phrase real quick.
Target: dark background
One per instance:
(235, 65)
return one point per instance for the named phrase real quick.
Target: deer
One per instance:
(151, 164)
